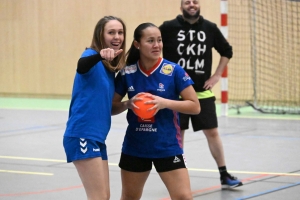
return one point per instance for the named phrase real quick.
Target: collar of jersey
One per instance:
(150, 71)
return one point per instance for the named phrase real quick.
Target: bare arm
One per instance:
(119, 106)
(218, 73)
(189, 105)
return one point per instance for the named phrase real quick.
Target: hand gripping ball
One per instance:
(143, 111)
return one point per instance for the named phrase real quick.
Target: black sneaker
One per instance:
(229, 181)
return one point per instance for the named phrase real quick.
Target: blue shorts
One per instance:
(80, 148)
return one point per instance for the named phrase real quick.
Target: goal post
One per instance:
(224, 77)
(265, 69)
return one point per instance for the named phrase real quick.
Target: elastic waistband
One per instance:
(205, 94)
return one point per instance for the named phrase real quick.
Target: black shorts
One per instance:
(206, 119)
(137, 164)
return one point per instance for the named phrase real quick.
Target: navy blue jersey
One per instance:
(159, 136)
(90, 109)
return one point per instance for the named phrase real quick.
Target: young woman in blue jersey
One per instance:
(90, 110)
(156, 140)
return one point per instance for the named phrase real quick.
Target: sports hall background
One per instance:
(40, 43)
(41, 40)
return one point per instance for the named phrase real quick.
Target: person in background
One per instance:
(188, 40)
(156, 140)
(90, 110)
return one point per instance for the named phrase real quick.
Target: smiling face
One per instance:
(150, 44)
(190, 9)
(113, 34)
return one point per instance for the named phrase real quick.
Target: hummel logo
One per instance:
(83, 143)
(176, 160)
(83, 150)
(96, 149)
(130, 89)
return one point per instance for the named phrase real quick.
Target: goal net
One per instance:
(265, 69)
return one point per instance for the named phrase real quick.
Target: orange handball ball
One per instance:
(143, 111)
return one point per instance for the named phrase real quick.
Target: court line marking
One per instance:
(41, 192)
(268, 191)
(197, 193)
(33, 128)
(32, 159)
(25, 172)
(62, 104)
(115, 164)
(245, 172)
(265, 117)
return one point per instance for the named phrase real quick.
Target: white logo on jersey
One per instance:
(130, 69)
(176, 160)
(161, 87)
(186, 77)
(96, 149)
(130, 89)
(146, 128)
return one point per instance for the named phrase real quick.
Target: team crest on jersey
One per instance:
(186, 77)
(161, 87)
(167, 69)
(130, 69)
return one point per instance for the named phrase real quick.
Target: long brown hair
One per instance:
(98, 43)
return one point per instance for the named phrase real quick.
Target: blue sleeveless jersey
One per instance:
(90, 108)
(159, 136)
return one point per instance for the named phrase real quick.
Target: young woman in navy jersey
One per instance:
(90, 110)
(156, 140)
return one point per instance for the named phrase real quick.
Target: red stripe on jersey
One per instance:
(148, 72)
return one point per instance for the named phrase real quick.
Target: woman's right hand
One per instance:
(109, 54)
(158, 102)
(130, 102)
